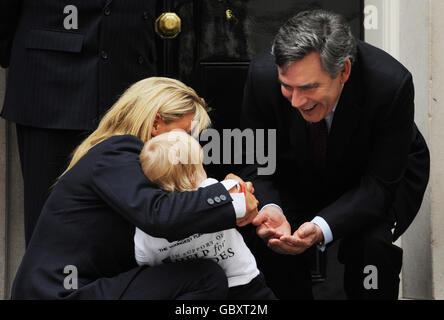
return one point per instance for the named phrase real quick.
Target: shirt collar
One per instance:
(329, 118)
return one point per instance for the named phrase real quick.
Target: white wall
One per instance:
(436, 121)
(411, 31)
(414, 49)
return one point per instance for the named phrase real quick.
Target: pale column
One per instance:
(414, 51)
(421, 45)
(3, 194)
(12, 242)
(436, 119)
(16, 233)
(403, 30)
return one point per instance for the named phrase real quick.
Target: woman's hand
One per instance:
(251, 210)
(248, 185)
(251, 202)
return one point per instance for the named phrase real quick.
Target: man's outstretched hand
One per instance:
(274, 229)
(307, 235)
(271, 223)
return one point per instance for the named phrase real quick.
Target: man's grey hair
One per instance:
(319, 31)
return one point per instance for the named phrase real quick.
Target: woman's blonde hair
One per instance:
(173, 161)
(135, 111)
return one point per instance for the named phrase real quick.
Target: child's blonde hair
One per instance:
(135, 111)
(173, 161)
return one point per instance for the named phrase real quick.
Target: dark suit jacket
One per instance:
(89, 222)
(67, 79)
(377, 160)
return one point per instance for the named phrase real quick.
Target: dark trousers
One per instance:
(372, 264)
(288, 276)
(192, 280)
(256, 289)
(44, 155)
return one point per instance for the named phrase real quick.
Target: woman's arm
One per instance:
(120, 182)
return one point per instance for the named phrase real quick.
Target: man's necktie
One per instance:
(317, 145)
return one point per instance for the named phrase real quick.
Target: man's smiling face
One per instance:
(310, 89)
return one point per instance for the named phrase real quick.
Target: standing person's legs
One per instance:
(44, 155)
(372, 264)
(191, 280)
(288, 276)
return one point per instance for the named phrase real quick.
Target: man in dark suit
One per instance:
(351, 164)
(68, 63)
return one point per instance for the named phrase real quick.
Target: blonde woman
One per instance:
(173, 161)
(82, 247)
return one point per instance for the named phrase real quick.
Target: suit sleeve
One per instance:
(257, 114)
(410, 193)
(369, 202)
(119, 181)
(9, 16)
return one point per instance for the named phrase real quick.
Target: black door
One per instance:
(217, 39)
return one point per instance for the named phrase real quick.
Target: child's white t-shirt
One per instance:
(226, 247)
